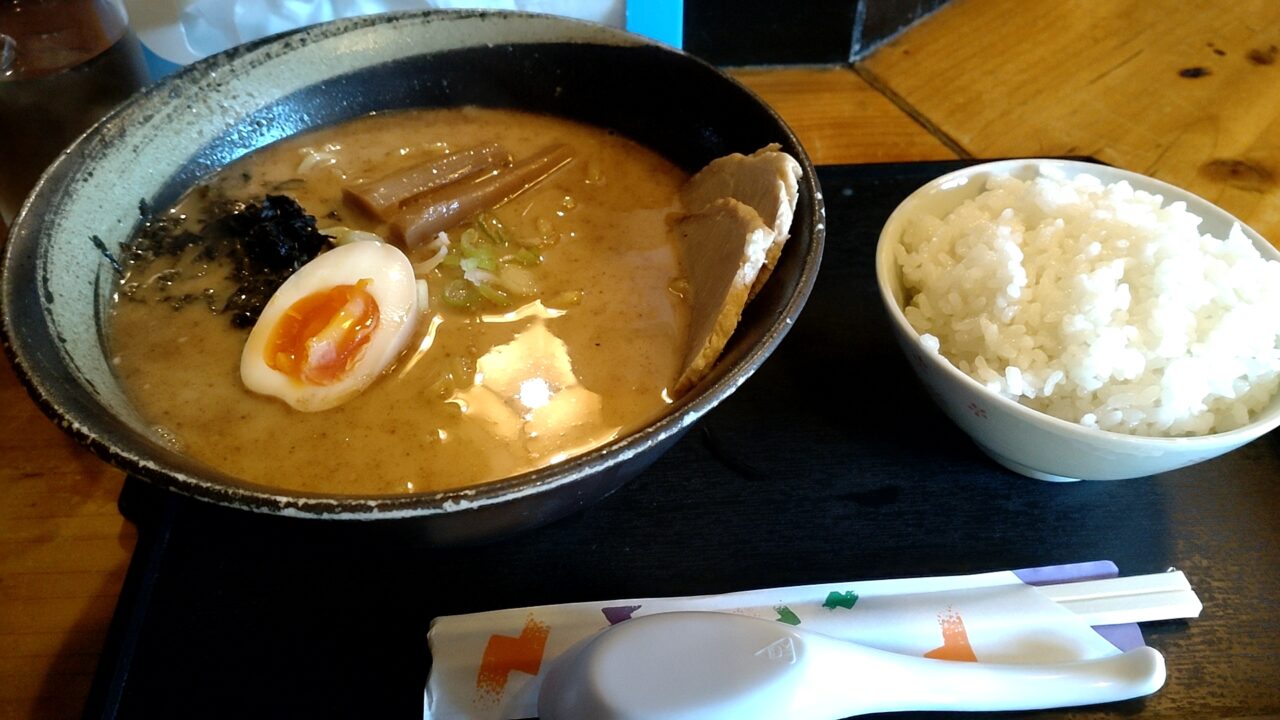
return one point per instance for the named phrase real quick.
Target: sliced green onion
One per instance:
(460, 293)
(494, 265)
(493, 295)
(525, 257)
(473, 243)
(469, 264)
(492, 227)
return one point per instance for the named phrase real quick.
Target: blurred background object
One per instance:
(178, 32)
(801, 32)
(63, 65)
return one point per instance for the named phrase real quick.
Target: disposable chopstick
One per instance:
(1137, 608)
(1113, 587)
(1139, 598)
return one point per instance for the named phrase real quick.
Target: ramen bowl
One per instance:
(57, 285)
(1023, 439)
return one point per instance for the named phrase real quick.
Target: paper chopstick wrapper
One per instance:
(490, 665)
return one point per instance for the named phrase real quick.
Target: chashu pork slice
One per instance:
(767, 180)
(723, 248)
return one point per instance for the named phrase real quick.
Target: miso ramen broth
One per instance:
(485, 389)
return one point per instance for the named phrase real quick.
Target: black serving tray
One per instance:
(830, 464)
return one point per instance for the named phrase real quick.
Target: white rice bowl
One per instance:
(1096, 305)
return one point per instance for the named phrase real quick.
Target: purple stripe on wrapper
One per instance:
(1126, 636)
(1075, 572)
(618, 613)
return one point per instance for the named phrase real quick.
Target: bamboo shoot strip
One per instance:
(452, 204)
(382, 197)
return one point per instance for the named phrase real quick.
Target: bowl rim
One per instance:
(886, 263)
(221, 488)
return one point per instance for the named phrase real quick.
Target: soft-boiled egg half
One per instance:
(333, 327)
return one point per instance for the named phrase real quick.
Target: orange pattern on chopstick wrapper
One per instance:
(955, 641)
(503, 655)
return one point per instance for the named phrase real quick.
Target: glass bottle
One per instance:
(63, 65)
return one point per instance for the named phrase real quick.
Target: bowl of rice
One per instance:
(1084, 322)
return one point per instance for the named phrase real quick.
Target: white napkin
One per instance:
(183, 31)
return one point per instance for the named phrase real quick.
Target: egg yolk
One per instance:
(319, 338)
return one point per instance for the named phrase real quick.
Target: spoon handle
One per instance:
(843, 679)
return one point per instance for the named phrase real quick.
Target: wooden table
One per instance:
(1186, 91)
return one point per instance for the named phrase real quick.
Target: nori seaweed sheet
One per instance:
(262, 242)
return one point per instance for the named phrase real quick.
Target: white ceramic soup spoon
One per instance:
(716, 665)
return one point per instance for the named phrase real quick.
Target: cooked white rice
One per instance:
(1094, 304)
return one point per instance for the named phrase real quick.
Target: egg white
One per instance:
(392, 286)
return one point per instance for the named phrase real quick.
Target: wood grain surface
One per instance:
(840, 119)
(63, 553)
(1186, 91)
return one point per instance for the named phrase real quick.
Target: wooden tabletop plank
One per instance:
(839, 118)
(1188, 92)
(64, 549)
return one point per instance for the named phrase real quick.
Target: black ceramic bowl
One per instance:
(56, 284)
